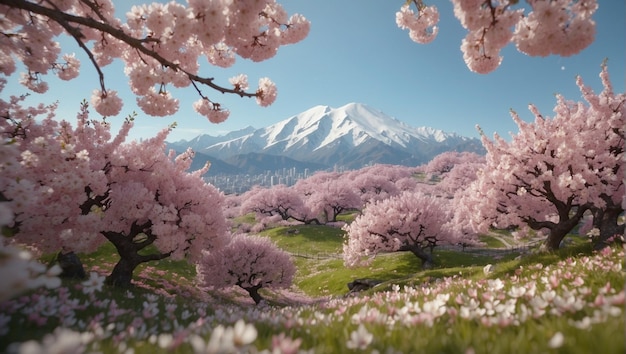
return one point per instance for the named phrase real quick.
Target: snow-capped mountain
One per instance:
(351, 136)
(202, 141)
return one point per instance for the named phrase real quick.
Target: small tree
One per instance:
(411, 221)
(459, 177)
(280, 201)
(445, 162)
(250, 262)
(372, 186)
(333, 197)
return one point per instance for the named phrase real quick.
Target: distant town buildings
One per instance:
(241, 183)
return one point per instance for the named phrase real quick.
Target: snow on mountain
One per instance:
(202, 141)
(355, 123)
(351, 135)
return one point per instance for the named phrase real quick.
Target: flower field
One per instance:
(574, 304)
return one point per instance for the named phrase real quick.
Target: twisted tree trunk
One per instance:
(606, 221)
(128, 247)
(253, 291)
(426, 258)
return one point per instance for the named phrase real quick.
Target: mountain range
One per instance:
(351, 136)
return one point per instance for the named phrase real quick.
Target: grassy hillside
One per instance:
(569, 301)
(321, 272)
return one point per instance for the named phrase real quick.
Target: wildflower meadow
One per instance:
(567, 304)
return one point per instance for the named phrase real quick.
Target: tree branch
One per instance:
(65, 20)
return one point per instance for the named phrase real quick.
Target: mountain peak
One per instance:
(351, 135)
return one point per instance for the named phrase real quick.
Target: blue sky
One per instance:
(356, 53)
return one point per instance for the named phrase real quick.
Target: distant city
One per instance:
(241, 183)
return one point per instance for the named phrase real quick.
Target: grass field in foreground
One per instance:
(569, 301)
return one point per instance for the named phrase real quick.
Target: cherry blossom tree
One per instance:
(278, 200)
(555, 168)
(380, 181)
(411, 221)
(559, 27)
(604, 145)
(250, 262)
(459, 177)
(159, 44)
(77, 188)
(444, 162)
(332, 198)
(232, 205)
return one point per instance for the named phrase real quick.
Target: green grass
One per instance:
(321, 271)
(347, 217)
(307, 239)
(327, 328)
(330, 276)
(491, 242)
(244, 219)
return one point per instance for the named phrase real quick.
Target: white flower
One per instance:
(243, 334)
(360, 339)
(60, 341)
(488, 269)
(94, 283)
(517, 291)
(225, 340)
(557, 340)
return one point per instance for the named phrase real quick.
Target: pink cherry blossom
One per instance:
(266, 93)
(546, 180)
(422, 26)
(419, 227)
(158, 44)
(250, 262)
(210, 110)
(112, 191)
(106, 103)
(562, 27)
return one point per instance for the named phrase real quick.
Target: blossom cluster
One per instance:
(160, 45)
(561, 27)
(20, 272)
(422, 26)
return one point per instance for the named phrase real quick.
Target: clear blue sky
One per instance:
(356, 53)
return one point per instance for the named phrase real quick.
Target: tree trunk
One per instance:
(557, 234)
(608, 226)
(128, 249)
(560, 229)
(427, 259)
(253, 291)
(122, 273)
